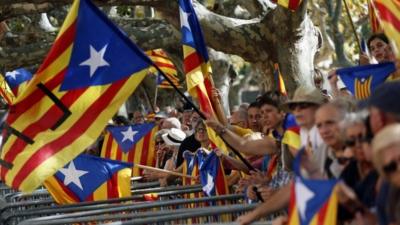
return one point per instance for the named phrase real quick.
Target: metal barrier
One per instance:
(102, 215)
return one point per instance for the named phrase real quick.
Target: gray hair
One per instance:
(353, 118)
(175, 123)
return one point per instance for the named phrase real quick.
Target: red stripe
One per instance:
(292, 202)
(20, 108)
(76, 130)
(322, 214)
(294, 4)
(204, 103)
(191, 62)
(112, 186)
(90, 198)
(167, 65)
(388, 15)
(59, 47)
(66, 190)
(221, 181)
(43, 124)
(158, 53)
(119, 154)
(109, 149)
(145, 150)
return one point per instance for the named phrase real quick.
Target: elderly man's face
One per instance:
(391, 164)
(327, 121)
(253, 118)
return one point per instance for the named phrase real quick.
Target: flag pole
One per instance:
(163, 171)
(352, 25)
(249, 166)
(155, 97)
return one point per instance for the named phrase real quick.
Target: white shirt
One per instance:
(319, 148)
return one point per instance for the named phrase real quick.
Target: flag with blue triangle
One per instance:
(128, 136)
(312, 201)
(88, 178)
(362, 80)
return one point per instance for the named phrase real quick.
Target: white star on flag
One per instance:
(128, 134)
(184, 18)
(12, 74)
(303, 195)
(96, 59)
(72, 175)
(210, 184)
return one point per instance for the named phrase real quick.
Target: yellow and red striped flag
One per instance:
(94, 179)
(161, 59)
(290, 4)
(280, 84)
(373, 19)
(197, 66)
(87, 75)
(139, 148)
(389, 17)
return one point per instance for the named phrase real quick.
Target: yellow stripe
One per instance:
(54, 68)
(136, 159)
(152, 147)
(294, 219)
(124, 182)
(101, 192)
(57, 192)
(391, 31)
(51, 165)
(284, 3)
(292, 139)
(107, 136)
(73, 13)
(331, 213)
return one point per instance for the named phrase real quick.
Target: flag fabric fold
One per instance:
(197, 66)
(90, 178)
(388, 12)
(312, 202)
(373, 18)
(362, 80)
(133, 144)
(280, 83)
(87, 75)
(13, 83)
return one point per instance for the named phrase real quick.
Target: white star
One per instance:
(12, 74)
(184, 18)
(128, 134)
(95, 60)
(303, 195)
(72, 175)
(191, 163)
(210, 184)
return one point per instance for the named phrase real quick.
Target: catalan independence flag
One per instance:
(87, 75)
(373, 18)
(389, 17)
(90, 178)
(362, 80)
(14, 81)
(212, 175)
(197, 66)
(290, 4)
(280, 84)
(312, 202)
(161, 59)
(190, 166)
(132, 144)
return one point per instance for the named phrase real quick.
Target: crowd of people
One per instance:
(356, 142)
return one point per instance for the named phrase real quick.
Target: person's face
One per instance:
(327, 121)
(201, 133)
(195, 118)
(236, 120)
(253, 118)
(304, 114)
(138, 117)
(376, 120)
(271, 117)
(355, 140)
(186, 117)
(391, 164)
(159, 143)
(378, 49)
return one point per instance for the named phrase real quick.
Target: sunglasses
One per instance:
(351, 142)
(391, 167)
(343, 160)
(302, 105)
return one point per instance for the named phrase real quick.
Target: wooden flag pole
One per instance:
(155, 97)
(352, 25)
(217, 104)
(163, 171)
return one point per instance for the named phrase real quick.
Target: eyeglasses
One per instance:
(159, 142)
(391, 166)
(200, 130)
(303, 105)
(351, 142)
